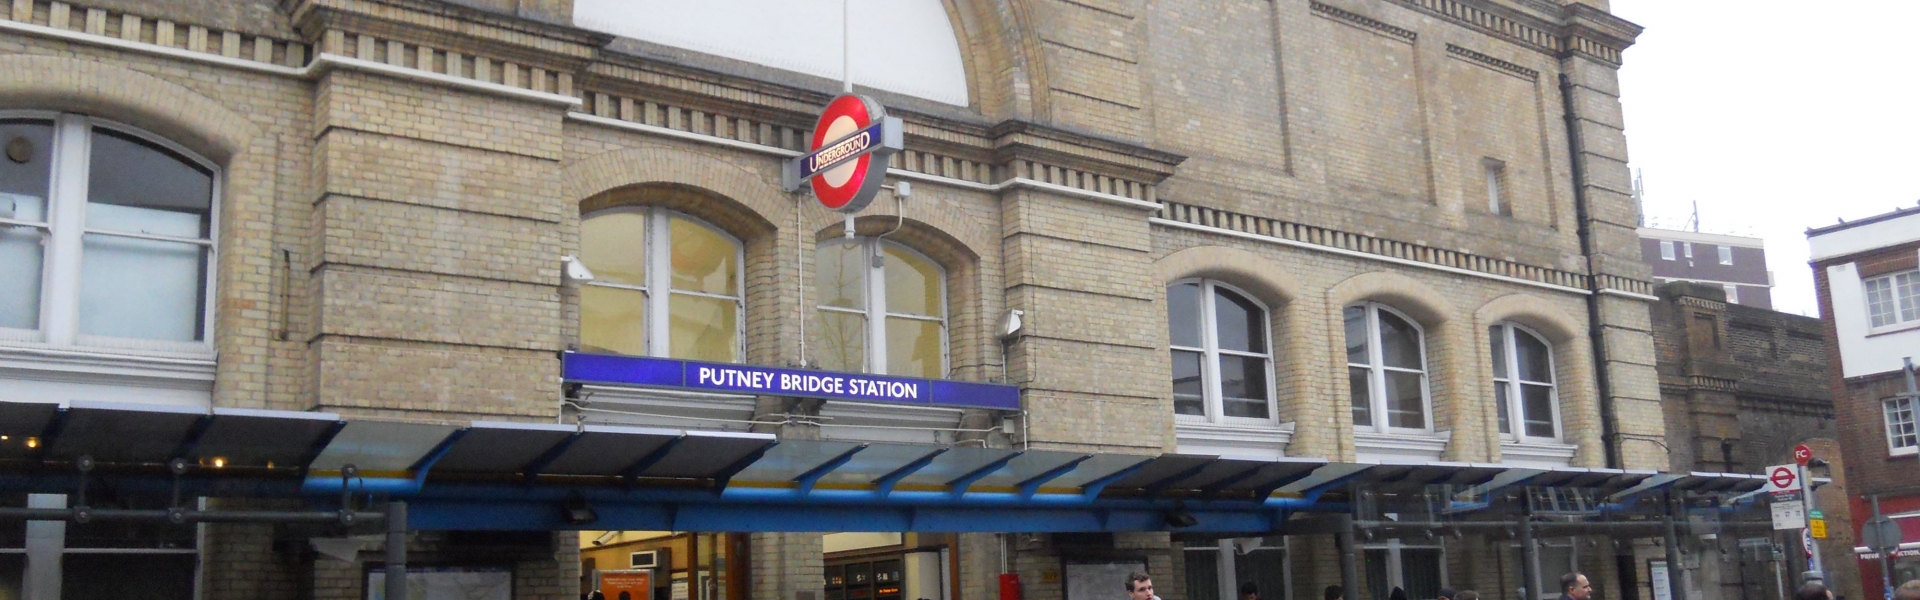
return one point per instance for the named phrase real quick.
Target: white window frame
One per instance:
(1210, 352)
(1726, 254)
(1900, 294)
(1687, 249)
(1890, 410)
(1666, 249)
(67, 194)
(874, 280)
(1733, 292)
(659, 276)
(1516, 405)
(1376, 372)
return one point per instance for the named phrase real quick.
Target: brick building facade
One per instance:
(1742, 386)
(1868, 281)
(387, 188)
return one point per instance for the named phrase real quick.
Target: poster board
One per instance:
(1658, 575)
(1101, 579)
(446, 583)
(627, 584)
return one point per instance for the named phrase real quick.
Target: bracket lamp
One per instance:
(573, 270)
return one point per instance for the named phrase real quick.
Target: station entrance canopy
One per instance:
(519, 476)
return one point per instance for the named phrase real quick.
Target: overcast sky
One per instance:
(1775, 116)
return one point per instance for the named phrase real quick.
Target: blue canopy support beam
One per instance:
(192, 439)
(1214, 489)
(634, 470)
(805, 481)
(959, 485)
(885, 483)
(532, 469)
(725, 476)
(1093, 488)
(1031, 485)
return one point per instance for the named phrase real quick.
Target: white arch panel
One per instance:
(904, 46)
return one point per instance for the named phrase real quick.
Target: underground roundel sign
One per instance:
(846, 160)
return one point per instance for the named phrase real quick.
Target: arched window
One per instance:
(1523, 383)
(650, 263)
(1387, 369)
(106, 236)
(1222, 362)
(868, 280)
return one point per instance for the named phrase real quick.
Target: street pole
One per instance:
(1676, 583)
(1886, 562)
(1815, 570)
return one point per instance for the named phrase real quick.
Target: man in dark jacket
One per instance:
(1574, 586)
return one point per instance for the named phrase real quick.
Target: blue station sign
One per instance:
(641, 371)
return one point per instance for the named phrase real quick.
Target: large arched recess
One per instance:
(1573, 370)
(212, 129)
(742, 200)
(1447, 345)
(1269, 284)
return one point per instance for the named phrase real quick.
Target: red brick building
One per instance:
(1867, 274)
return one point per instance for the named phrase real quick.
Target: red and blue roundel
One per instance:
(848, 126)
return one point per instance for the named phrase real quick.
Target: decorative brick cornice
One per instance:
(1364, 22)
(159, 33)
(1698, 302)
(456, 28)
(1494, 63)
(1313, 235)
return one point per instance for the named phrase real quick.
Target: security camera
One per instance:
(1011, 325)
(604, 538)
(573, 270)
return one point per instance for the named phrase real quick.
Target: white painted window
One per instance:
(665, 284)
(1726, 255)
(1893, 299)
(106, 238)
(1901, 432)
(1387, 370)
(1221, 352)
(1733, 292)
(1523, 384)
(1666, 249)
(1687, 249)
(865, 281)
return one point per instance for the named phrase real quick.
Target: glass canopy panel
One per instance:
(261, 438)
(1217, 471)
(20, 422)
(380, 448)
(1275, 473)
(609, 450)
(952, 465)
(1024, 467)
(123, 433)
(876, 461)
(784, 463)
(706, 454)
(1096, 468)
(501, 448)
(1161, 468)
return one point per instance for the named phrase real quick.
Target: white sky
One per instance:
(1775, 116)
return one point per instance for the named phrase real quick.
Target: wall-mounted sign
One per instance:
(847, 159)
(640, 371)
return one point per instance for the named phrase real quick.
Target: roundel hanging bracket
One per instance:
(847, 159)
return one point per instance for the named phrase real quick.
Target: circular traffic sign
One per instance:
(849, 186)
(1802, 454)
(1782, 477)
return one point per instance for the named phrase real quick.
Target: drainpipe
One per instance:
(1609, 426)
